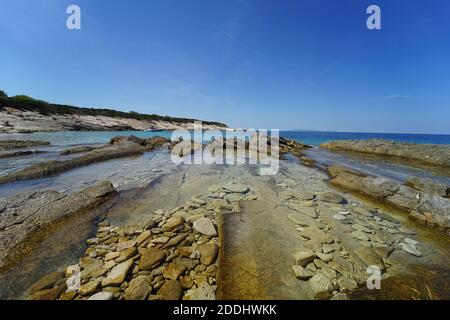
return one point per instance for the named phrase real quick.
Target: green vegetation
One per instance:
(26, 103)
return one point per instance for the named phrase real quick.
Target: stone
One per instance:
(47, 281)
(315, 233)
(173, 222)
(369, 257)
(170, 290)
(325, 257)
(102, 296)
(205, 226)
(151, 258)
(208, 253)
(359, 235)
(299, 219)
(302, 258)
(301, 273)
(407, 231)
(338, 216)
(344, 213)
(331, 198)
(339, 296)
(112, 256)
(327, 248)
(67, 296)
(359, 227)
(127, 254)
(88, 288)
(236, 188)
(125, 245)
(48, 294)
(411, 241)
(221, 204)
(204, 291)
(321, 286)
(143, 236)
(117, 274)
(305, 195)
(139, 288)
(160, 240)
(364, 212)
(174, 270)
(411, 249)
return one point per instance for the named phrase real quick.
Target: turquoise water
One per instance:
(309, 137)
(317, 137)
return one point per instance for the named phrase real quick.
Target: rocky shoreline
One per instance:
(430, 154)
(428, 208)
(208, 247)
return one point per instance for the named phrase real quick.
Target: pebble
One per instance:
(411, 249)
(236, 188)
(205, 226)
(302, 273)
(411, 241)
(302, 258)
(359, 235)
(338, 216)
(102, 296)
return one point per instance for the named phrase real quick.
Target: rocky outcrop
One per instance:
(427, 208)
(429, 186)
(22, 215)
(164, 258)
(14, 120)
(18, 144)
(15, 154)
(119, 148)
(438, 155)
(56, 166)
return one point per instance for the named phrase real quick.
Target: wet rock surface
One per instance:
(19, 144)
(438, 155)
(26, 213)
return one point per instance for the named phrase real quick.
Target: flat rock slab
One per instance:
(257, 254)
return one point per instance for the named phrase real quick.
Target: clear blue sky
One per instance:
(263, 64)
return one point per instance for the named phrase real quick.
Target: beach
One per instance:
(158, 230)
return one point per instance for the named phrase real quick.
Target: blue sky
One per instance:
(262, 64)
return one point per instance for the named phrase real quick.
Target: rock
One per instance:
(151, 258)
(359, 235)
(321, 286)
(47, 281)
(112, 256)
(305, 195)
(118, 274)
(302, 273)
(315, 233)
(173, 222)
(407, 231)
(102, 296)
(364, 212)
(236, 188)
(411, 241)
(174, 270)
(344, 213)
(205, 226)
(369, 257)
(28, 212)
(424, 153)
(429, 186)
(204, 291)
(411, 249)
(143, 236)
(48, 294)
(127, 254)
(337, 216)
(299, 219)
(327, 248)
(88, 288)
(331, 198)
(139, 288)
(191, 219)
(160, 240)
(325, 257)
(309, 211)
(170, 290)
(359, 227)
(208, 253)
(302, 258)
(125, 245)
(11, 144)
(221, 204)
(67, 296)
(339, 296)
(52, 167)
